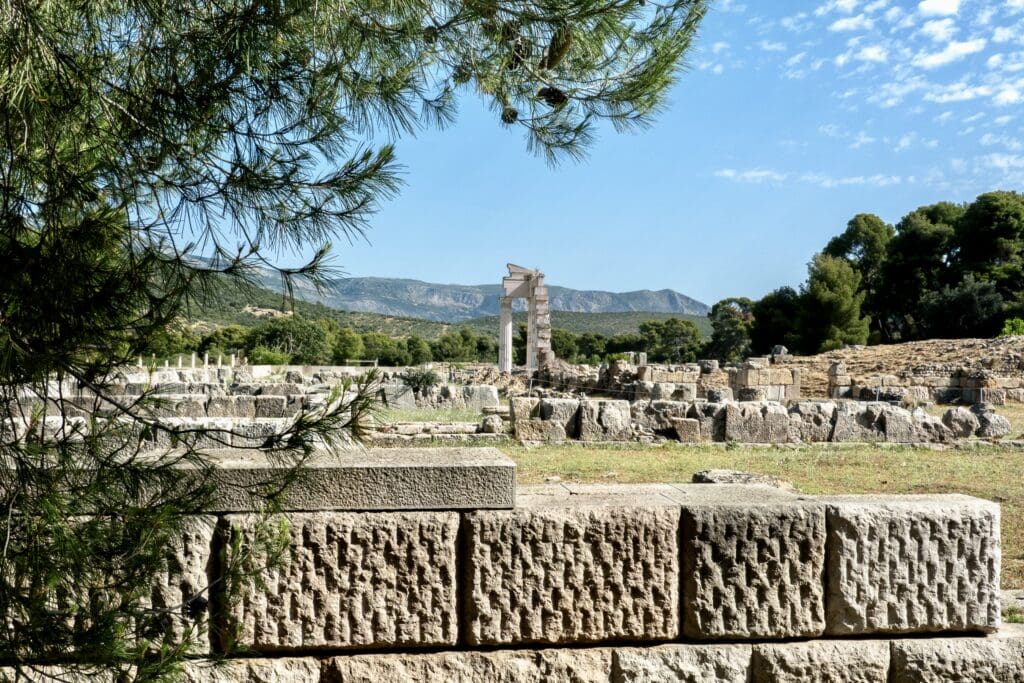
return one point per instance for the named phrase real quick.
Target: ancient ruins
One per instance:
(523, 283)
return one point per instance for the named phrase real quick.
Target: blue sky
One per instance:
(793, 117)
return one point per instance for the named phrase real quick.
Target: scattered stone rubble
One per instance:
(562, 419)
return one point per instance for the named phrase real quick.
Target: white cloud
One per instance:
(1008, 96)
(758, 175)
(796, 59)
(944, 117)
(957, 92)
(829, 182)
(938, 7)
(955, 50)
(939, 30)
(1003, 120)
(844, 6)
(872, 53)
(1004, 34)
(769, 46)
(904, 142)
(861, 140)
(876, 5)
(720, 46)
(1012, 144)
(856, 23)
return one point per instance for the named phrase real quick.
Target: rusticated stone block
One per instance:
(827, 661)
(517, 666)
(351, 580)
(572, 574)
(912, 563)
(964, 660)
(753, 571)
(601, 420)
(182, 589)
(298, 670)
(684, 663)
(271, 406)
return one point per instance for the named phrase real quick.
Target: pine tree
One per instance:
(153, 148)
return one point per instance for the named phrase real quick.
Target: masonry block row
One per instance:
(653, 563)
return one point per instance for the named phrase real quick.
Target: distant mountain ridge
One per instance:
(457, 303)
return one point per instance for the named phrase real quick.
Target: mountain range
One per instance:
(457, 303)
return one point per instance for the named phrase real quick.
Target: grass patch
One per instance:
(391, 415)
(1013, 615)
(991, 472)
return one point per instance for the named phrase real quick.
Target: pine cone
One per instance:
(553, 97)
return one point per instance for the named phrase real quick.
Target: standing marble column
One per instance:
(505, 336)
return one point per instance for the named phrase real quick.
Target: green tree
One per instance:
(777, 321)
(864, 244)
(918, 262)
(348, 345)
(563, 343)
(224, 340)
(385, 350)
(831, 301)
(990, 244)
(971, 309)
(673, 340)
(731, 322)
(303, 341)
(418, 350)
(162, 145)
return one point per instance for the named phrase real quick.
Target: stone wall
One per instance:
(940, 384)
(689, 582)
(567, 419)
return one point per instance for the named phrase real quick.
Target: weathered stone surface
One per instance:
(961, 421)
(912, 564)
(687, 429)
(57, 674)
(822, 661)
(517, 666)
(374, 479)
(757, 422)
(280, 389)
(712, 420)
(297, 670)
(738, 477)
(753, 570)
(562, 411)
(397, 395)
(602, 420)
(352, 580)
(928, 428)
(536, 429)
(684, 663)
(572, 574)
(719, 394)
(811, 421)
(183, 588)
(492, 424)
(964, 660)
(271, 406)
(898, 425)
(991, 424)
(480, 395)
(659, 416)
(859, 422)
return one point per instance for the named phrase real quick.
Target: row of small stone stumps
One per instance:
(651, 582)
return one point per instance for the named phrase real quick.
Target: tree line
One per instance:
(294, 340)
(945, 270)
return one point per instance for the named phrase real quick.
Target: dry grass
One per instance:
(992, 472)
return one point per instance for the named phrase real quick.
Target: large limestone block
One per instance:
(543, 431)
(659, 416)
(561, 411)
(753, 570)
(523, 407)
(912, 564)
(299, 670)
(811, 421)
(859, 422)
(182, 589)
(517, 666)
(712, 419)
(683, 663)
(756, 423)
(963, 660)
(480, 396)
(961, 421)
(822, 661)
(572, 574)
(352, 580)
(605, 421)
